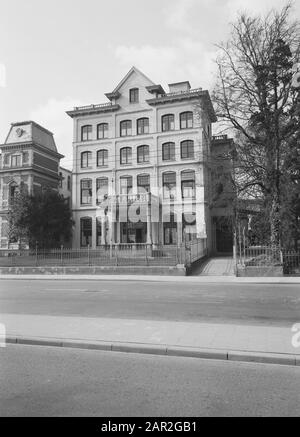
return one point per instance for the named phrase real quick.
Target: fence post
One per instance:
(116, 253)
(147, 263)
(89, 260)
(36, 254)
(61, 255)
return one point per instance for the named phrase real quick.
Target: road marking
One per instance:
(64, 289)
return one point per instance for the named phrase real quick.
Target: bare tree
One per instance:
(255, 98)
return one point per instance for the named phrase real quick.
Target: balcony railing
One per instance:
(102, 105)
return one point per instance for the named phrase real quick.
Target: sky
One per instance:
(57, 54)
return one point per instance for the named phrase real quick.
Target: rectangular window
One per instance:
(25, 158)
(16, 161)
(6, 159)
(86, 192)
(134, 95)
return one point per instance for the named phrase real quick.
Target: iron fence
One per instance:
(109, 255)
(291, 262)
(268, 256)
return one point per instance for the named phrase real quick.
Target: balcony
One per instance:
(126, 199)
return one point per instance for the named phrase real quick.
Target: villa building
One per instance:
(29, 162)
(141, 169)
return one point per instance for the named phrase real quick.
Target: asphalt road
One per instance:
(273, 305)
(38, 381)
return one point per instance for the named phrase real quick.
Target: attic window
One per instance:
(134, 95)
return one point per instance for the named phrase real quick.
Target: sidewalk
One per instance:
(214, 341)
(150, 278)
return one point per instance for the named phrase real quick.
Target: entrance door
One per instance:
(224, 238)
(139, 236)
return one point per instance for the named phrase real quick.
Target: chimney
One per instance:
(180, 87)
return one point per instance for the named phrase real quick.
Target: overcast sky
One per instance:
(56, 54)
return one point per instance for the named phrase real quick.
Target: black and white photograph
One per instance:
(149, 212)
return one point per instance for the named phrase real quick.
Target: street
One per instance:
(268, 304)
(37, 381)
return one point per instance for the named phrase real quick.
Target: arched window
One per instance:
(102, 189)
(125, 185)
(86, 188)
(86, 133)
(143, 126)
(126, 128)
(168, 122)
(86, 159)
(126, 156)
(188, 184)
(134, 95)
(169, 185)
(102, 158)
(102, 131)
(187, 150)
(143, 154)
(168, 152)
(186, 120)
(86, 232)
(143, 183)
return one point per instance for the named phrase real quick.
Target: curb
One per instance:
(155, 278)
(161, 350)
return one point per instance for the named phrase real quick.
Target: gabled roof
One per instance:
(116, 94)
(130, 72)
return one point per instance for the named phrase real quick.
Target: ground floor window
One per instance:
(189, 227)
(86, 232)
(170, 235)
(170, 231)
(133, 233)
(99, 231)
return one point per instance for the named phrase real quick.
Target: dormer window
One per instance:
(134, 95)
